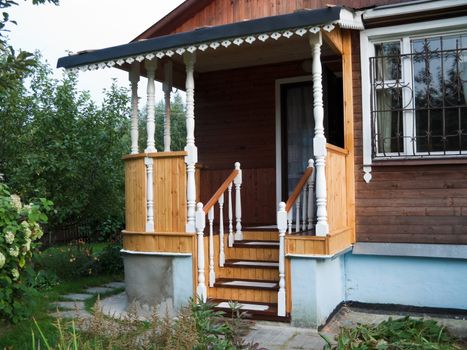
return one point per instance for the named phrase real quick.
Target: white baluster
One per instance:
(221, 231)
(289, 220)
(304, 210)
(297, 214)
(319, 141)
(167, 87)
(238, 203)
(192, 152)
(134, 79)
(282, 226)
(149, 195)
(200, 224)
(212, 274)
(231, 235)
(151, 105)
(311, 199)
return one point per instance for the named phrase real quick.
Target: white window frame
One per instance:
(403, 33)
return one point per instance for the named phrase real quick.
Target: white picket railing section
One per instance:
(235, 178)
(302, 198)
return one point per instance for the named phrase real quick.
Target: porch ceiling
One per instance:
(271, 34)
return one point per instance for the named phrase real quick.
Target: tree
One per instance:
(13, 66)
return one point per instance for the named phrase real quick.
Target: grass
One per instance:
(19, 336)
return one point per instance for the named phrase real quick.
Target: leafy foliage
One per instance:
(19, 229)
(400, 334)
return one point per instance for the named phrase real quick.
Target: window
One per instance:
(418, 96)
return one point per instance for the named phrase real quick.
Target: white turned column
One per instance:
(134, 79)
(212, 274)
(151, 105)
(192, 157)
(319, 141)
(231, 234)
(221, 231)
(289, 220)
(311, 197)
(167, 87)
(282, 226)
(238, 203)
(200, 220)
(297, 214)
(149, 195)
(304, 209)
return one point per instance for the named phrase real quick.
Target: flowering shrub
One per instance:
(19, 229)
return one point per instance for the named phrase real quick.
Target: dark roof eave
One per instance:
(239, 29)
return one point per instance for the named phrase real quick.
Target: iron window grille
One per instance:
(419, 99)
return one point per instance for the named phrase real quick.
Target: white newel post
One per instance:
(212, 274)
(149, 195)
(167, 87)
(151, 123)
(282, 226)
(319, 141)
(231, 234)
(238, 203)
(200, 220)
(192, 157)
(221, 231)
(134, 79)
(311, 197)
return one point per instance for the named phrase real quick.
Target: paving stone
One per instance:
(98, 290)
(68, 305)
(115, 285)
(77, 296)
(81, 314)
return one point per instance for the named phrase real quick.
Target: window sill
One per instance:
(417, 162)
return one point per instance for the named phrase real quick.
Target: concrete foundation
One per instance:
(320, 284)
(161, 281)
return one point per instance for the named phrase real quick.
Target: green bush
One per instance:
(400, 334)
(19, 230)
(110, 260)
(69, 262)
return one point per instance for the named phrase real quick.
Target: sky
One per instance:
(77, 25)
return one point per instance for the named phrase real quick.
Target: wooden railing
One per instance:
(303, 190)
(234, 179)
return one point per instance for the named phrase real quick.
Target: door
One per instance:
(297, 131)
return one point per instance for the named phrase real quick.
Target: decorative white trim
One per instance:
(134, 79)
(348, 20)
(167, 88)
(414, 30)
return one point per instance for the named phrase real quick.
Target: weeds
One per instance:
(400, 334)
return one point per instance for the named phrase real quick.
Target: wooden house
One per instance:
(325, 162)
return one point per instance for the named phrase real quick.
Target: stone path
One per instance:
(269, 335)
(74, 307)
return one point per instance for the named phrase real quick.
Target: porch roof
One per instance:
(298, 23)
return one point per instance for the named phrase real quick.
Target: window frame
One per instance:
(404, 34)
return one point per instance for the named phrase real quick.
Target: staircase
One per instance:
(250, 276)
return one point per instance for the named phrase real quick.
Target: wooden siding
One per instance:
(162, 242)
(218, 12)
(407, 203)
(336, 183)
(135, 194)
(313, 245)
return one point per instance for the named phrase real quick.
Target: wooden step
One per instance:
(256, 244)
(246, 284)
(265, 294)
(261, 235)
(249, 310)
(247, 251)
(249, 269)
(261, 264)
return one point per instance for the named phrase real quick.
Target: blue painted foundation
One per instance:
(319, 285)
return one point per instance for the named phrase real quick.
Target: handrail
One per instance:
(215, 197)
(299, 187)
